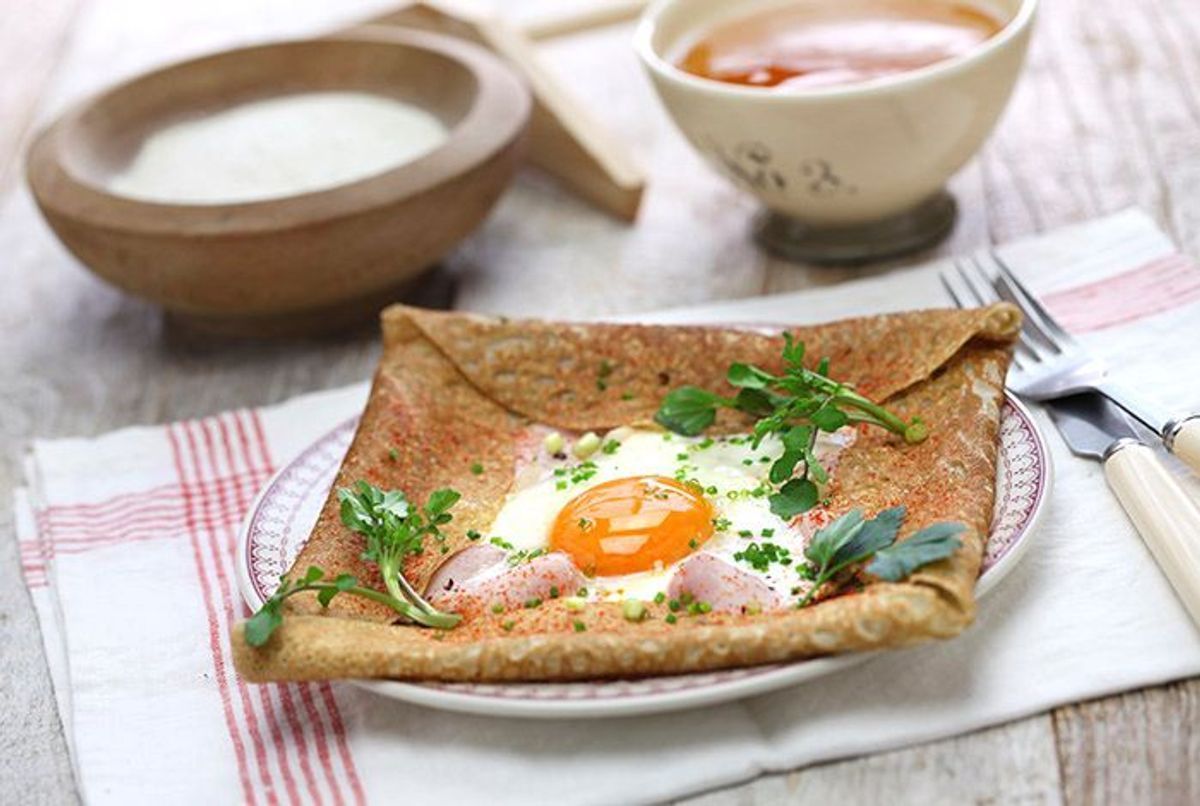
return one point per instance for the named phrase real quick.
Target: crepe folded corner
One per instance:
(454, 390)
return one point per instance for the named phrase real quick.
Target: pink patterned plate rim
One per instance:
(283, 514)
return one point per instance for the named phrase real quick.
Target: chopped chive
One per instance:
(633, 610)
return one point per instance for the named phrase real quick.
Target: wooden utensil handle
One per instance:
(1183, 440)
(1166, 517)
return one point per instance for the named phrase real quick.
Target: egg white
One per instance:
(732, 473)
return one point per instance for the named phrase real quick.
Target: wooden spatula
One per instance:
(566, 139)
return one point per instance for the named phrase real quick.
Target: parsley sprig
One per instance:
(795, 406)
(852, 539)
(394, 530)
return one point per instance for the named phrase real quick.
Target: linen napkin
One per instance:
(128, 542)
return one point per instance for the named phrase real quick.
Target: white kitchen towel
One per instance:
(128, 542)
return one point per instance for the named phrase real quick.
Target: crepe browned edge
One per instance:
(453, 390)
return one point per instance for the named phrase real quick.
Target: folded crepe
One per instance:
(453, 390)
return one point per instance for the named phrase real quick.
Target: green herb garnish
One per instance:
(394, 530)
(759, 556)
(795, 406)
(268, 618)
(603, 372)
(851, 539)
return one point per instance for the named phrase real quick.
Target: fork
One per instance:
(1049, 363)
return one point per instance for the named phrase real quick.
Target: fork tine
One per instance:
(1036, 337)
(981, 297)
(946, 284)
(1032, 323)
(1032, 342)
(1020, 359)
(1032, 304)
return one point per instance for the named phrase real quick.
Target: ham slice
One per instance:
(460, 567)
(729, 589)
(480, 576)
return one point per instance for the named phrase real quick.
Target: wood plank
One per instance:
(1009, 764)
(34, 766)
(1141, 747)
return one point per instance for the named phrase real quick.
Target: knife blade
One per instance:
(1166, 517)
(1090, 425)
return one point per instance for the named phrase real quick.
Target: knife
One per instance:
(1163, 513)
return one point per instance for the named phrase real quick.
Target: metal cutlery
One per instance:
(1049, 363)
(1163, 513)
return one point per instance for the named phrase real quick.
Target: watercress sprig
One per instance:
(394, 530)
(795, 406)
(263, 623)
(852, 539)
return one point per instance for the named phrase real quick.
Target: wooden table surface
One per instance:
(1107, 115)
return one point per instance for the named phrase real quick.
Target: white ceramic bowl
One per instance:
(843, 155)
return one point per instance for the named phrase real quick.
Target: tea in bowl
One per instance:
(845, 119)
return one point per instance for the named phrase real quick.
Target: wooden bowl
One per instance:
(308, 262)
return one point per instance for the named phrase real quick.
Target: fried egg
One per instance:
(645, 502)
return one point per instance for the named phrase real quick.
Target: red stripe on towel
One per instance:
(219, 548)
(253, 440)
(216, 641)
(1156, 287)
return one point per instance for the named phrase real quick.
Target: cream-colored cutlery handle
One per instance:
(1166, 517)
(1183, 440)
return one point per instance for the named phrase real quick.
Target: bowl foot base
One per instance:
(923, 226)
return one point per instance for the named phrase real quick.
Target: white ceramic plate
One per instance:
(284, 513)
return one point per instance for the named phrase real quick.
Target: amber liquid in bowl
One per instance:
(810, 45)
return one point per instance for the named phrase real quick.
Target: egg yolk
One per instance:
(628, 525)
